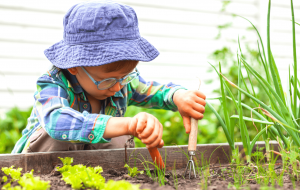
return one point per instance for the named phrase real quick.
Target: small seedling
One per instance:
(174, 174)
(159, 174)
(132, 172)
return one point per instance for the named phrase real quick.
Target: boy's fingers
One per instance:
(148, 130)
(187, 123)
(156, 138)
(200, 94)
(141, 124)
(199, 108)
(161, 144)
(196, 115)
(154, 135)
(160, 134)
(200, 101)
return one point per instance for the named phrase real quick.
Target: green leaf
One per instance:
(281, 135)
(244, 132)
(251, 119)
(132, 172)
(273, 129)
(6, 186)
(98, 169)
(282, 110)
(14, 173)
(120, 185)
(33, 183)
(4, 179)
(80, 176)
(295, 62)
(231, 143)
(66, 160)
(225, 110)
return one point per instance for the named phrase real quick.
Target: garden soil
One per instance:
(217, 179)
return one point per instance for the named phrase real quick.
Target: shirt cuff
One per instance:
(95, 128)
(172, 105)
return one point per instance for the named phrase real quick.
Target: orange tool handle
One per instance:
(156, 157)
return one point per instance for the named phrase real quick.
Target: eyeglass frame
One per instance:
(97, 83)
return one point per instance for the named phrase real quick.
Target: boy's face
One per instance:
(98, 74)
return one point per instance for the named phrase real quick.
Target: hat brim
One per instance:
(66, 56)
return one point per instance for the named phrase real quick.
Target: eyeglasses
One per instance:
(110, 82)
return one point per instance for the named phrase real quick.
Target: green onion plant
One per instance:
(280, 119)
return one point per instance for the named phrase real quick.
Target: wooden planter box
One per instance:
(44, 162)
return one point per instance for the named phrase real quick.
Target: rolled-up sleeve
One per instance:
(152, 94)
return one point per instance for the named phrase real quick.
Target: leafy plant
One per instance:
(132, 172)
(66, 160)
(7, 186)
(120, 185)
(14, 173)
(80, 176)
(26, 182)
(11, 126)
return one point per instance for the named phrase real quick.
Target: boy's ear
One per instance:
(73, 70)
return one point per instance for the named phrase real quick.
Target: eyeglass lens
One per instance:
(110, 82)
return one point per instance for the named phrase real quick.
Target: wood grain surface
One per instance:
(44, 162)
(193, 135)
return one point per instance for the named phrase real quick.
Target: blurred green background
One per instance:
(210, 131)
(15, 121)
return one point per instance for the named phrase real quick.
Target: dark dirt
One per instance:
(218, 178)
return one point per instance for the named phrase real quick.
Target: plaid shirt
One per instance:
(63, 110)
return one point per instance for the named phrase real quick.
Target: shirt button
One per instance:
(85, 106)
(64, 136)
(91, 137)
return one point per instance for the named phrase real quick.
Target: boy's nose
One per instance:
(116, 87)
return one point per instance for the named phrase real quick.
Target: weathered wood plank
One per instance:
(43, 163)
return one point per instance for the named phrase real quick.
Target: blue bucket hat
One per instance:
(98, 33)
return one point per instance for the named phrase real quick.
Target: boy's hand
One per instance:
(190, 103)
(147, 128)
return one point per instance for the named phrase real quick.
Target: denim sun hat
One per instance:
(98, 33)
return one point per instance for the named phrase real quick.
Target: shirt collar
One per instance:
(119, 94)
(73, 81)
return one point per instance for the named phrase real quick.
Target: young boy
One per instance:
(80, 102)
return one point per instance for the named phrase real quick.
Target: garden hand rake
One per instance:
(192, 146)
